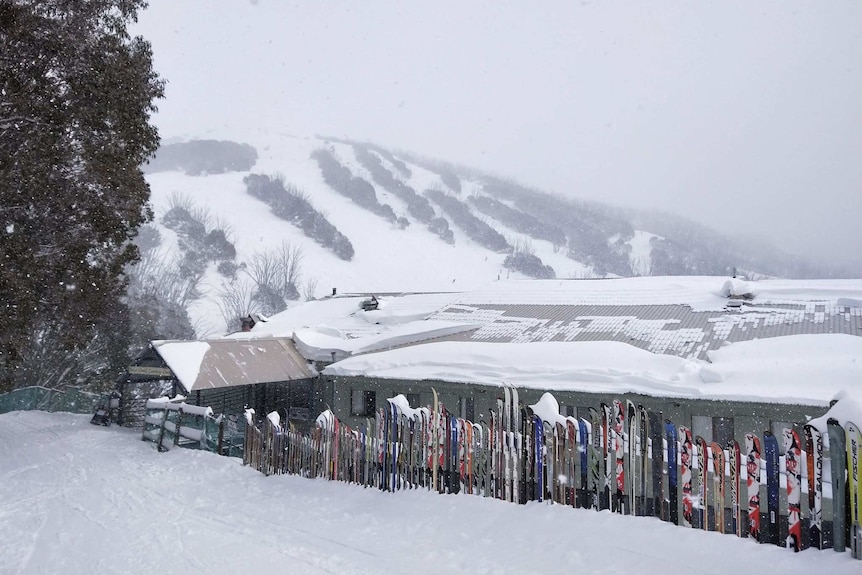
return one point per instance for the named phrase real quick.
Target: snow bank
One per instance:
(197, 512)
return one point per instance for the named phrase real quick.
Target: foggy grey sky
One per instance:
(746, 116)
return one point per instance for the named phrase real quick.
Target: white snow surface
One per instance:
(386, 258)
(848, 408)
(81, 499)
(343, 317)
(792, 369)
(808, 369)
(317, 345)
(184, 358)
(413, 259)
(548, 409)
(701, 293)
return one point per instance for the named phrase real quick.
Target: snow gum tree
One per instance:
(76, 96)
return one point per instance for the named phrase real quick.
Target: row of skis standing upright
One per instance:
(621, 457)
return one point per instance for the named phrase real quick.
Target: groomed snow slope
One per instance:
(80, 499)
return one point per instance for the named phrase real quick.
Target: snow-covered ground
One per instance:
(81, 499)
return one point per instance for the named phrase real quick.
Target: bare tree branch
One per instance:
(235, 301)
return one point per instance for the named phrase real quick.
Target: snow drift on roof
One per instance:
(184, 358)
(319, 345)
(792, 369)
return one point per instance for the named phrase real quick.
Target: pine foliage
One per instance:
(76, 95)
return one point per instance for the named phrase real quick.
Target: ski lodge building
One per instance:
(720, 355)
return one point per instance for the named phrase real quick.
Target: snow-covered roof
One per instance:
(793, 341)
(684, 316)
(700, 293)
(320, 346)
(804, 369)
(669, 336)
(231, 362)
(343, 316)
(340, 325)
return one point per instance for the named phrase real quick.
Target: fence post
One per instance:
(162, 431)
(179, 424)
(245, 451)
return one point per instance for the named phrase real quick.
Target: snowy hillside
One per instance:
(85, 499)
(392, 250)
(386, 258)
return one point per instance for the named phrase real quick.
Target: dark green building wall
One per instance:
(704, 417)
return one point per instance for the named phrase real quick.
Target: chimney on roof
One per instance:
(247, 323)
(333, 292)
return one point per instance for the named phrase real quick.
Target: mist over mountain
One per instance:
(254, 226)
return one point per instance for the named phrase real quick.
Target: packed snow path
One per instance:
(80, 499)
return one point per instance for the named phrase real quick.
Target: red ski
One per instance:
(752, 467)
(792, 468)
(685, 450)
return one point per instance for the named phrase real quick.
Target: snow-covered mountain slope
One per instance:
(386, 258)
(395, 248)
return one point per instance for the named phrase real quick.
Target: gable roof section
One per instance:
(220, 363)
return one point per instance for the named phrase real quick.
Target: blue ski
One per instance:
(770, 449)
(672, 502)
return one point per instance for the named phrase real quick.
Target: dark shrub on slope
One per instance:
(519, 221)
(440, 226)
(288, 203)
(589, 227)
(339, 178)
(529, 265)
(417, 205)
(398, 164)
(199, 157)
(476, 229)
